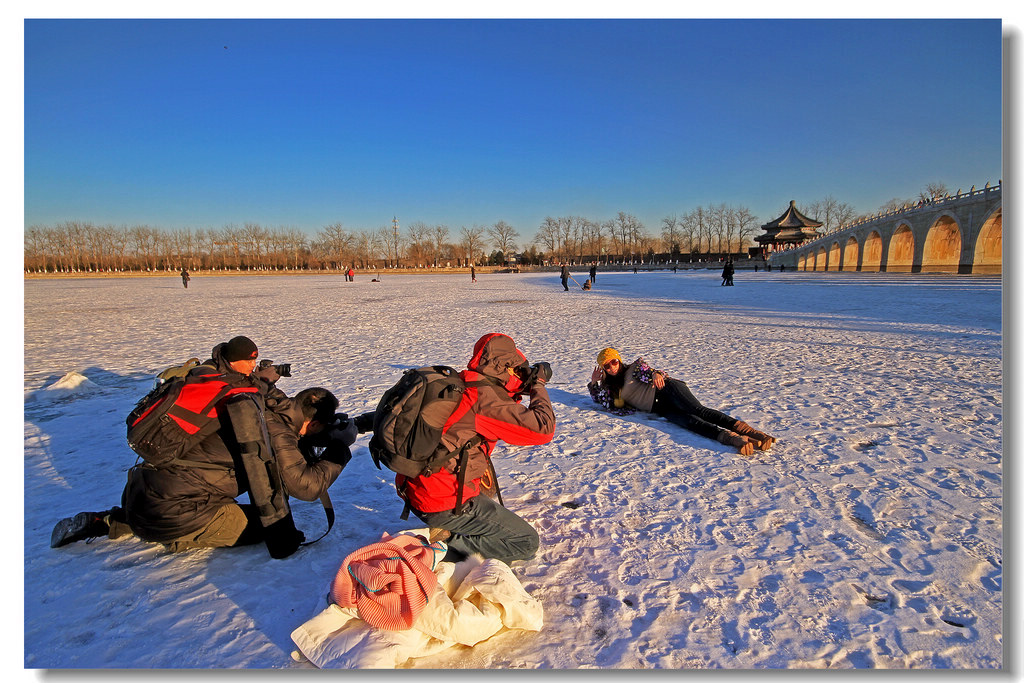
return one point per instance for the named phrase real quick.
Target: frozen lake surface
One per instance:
(870, 536)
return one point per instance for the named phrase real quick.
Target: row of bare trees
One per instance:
(75, 246)
(717, 228)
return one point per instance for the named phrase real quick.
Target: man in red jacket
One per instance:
(491, 410)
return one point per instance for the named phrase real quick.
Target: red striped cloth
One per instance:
(388, 582)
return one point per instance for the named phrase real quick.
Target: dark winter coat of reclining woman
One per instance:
(625, 388)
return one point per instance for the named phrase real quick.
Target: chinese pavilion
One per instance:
(788, 230)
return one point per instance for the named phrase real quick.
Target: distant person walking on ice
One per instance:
(727, 273)
(593, 272)
(185, 277)
(625, 388)
(565, 276)
(472, 272)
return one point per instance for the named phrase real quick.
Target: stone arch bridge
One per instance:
(951, 234)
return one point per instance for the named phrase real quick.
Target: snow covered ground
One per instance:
(870, 536)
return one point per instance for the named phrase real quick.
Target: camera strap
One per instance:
(325, 500)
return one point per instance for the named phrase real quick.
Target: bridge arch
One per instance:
(958, 234)
(833, 257)
(850, 253)
(942, 246)
(901, 250)
(988, 249)
(872, 260)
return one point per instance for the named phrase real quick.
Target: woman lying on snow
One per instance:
(639, 386)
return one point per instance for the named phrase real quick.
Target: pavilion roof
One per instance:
(792, 218)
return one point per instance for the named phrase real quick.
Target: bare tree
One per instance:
(730, 230)
(378, 246)
(548, 236)
(688, 231)
(420, 243)
(594, 237)
(933, 191)
(337, 242)
(472, 241)
(844, 213)
(628, 230)
(746, 225)
(671, 233)
(440, 235)
(390, 241)
(718, 218)
(894, 204)
(254, 237)
(36, 255)
(701, 226)
(503, 237)
(831, 213)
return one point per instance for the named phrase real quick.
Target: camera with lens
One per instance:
(283, 369)
(529, 375)
(332, 442)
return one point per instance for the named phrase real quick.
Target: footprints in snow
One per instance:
(919, 596)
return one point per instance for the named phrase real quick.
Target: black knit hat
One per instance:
(240, 348)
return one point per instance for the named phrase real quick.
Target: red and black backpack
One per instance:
(178, 414)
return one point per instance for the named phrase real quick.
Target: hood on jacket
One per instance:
(494, 354)
(217, 359)
(288, 410)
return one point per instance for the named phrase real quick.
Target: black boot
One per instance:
(81, 526)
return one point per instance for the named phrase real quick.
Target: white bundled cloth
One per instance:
(474, 600)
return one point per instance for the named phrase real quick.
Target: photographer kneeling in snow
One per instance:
(448, 500)
(624, 388)
(189, 502)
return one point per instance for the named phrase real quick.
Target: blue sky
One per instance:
(203, 123)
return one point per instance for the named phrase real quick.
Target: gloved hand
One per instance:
(347, 435)
(282, 538)
(542, 371)
(364, 422)
(337, 453)
(338, 437)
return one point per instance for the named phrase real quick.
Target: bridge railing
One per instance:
(923, 205)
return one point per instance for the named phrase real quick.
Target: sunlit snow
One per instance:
(870, 536)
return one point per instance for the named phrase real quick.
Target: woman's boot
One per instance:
(763, 441)
(742, 444)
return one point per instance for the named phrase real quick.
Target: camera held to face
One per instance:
(530, 375)
(282, 369)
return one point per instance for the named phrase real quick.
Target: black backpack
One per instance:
(409, 422)
(409, 426)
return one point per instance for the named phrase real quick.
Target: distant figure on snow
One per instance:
(565, 276)
(624, 389)
(472, 272)
(185, 277)
(727, 273)
(593, 274)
